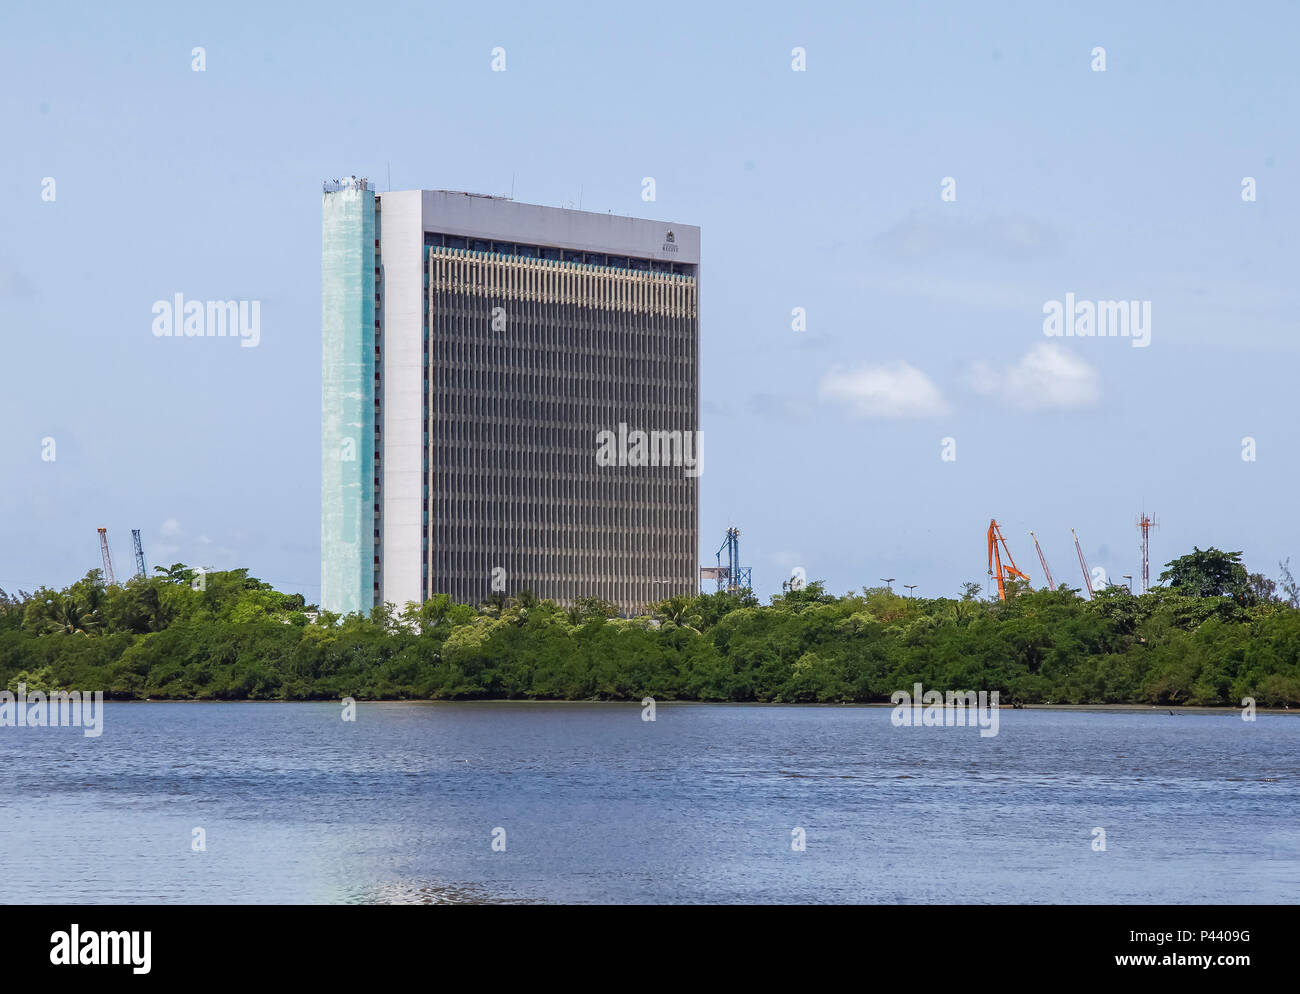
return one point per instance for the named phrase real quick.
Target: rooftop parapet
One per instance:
(346, 183)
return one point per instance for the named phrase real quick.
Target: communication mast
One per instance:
(1145, 525)
(109, 579)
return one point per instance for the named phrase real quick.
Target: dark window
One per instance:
(478, 245)
(455, 243)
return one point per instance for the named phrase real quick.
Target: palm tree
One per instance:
(680, 610)
(175, 573)
(63, 613)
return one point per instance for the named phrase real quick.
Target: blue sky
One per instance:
(817, 189)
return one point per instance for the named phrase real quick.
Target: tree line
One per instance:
(1210, 634)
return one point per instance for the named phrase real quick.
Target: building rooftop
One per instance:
(502, 219)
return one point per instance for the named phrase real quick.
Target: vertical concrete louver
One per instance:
(529, 360)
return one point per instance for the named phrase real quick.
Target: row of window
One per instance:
(521, 250)
(474, 330)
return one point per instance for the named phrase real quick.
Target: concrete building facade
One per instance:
(531, 406)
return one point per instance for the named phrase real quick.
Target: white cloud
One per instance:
(887, 390)
(171, 527)
(1048, 376)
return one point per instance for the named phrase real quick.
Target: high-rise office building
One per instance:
(510, 401)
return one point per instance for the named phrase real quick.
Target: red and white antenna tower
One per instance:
(1145, 525)
(109, 579)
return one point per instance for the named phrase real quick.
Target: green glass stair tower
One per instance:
(348, 315)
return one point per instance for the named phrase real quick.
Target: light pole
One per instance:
(911, 587)
(889, 582)
(656, 583)
(1129, 578)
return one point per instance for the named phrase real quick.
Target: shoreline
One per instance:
(1175, 709)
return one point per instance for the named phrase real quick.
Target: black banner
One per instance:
(151, 944)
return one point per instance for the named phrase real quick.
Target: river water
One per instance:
(594, 804)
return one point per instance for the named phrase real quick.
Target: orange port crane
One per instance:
(1051, 583)
(1005, 571)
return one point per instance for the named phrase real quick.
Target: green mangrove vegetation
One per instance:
(1210, 634)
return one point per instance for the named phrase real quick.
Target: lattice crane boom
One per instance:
(109, 579)
(139, 553)
(1051, 582)
(1145, 524)
(1083, 563)
(1005, 571)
